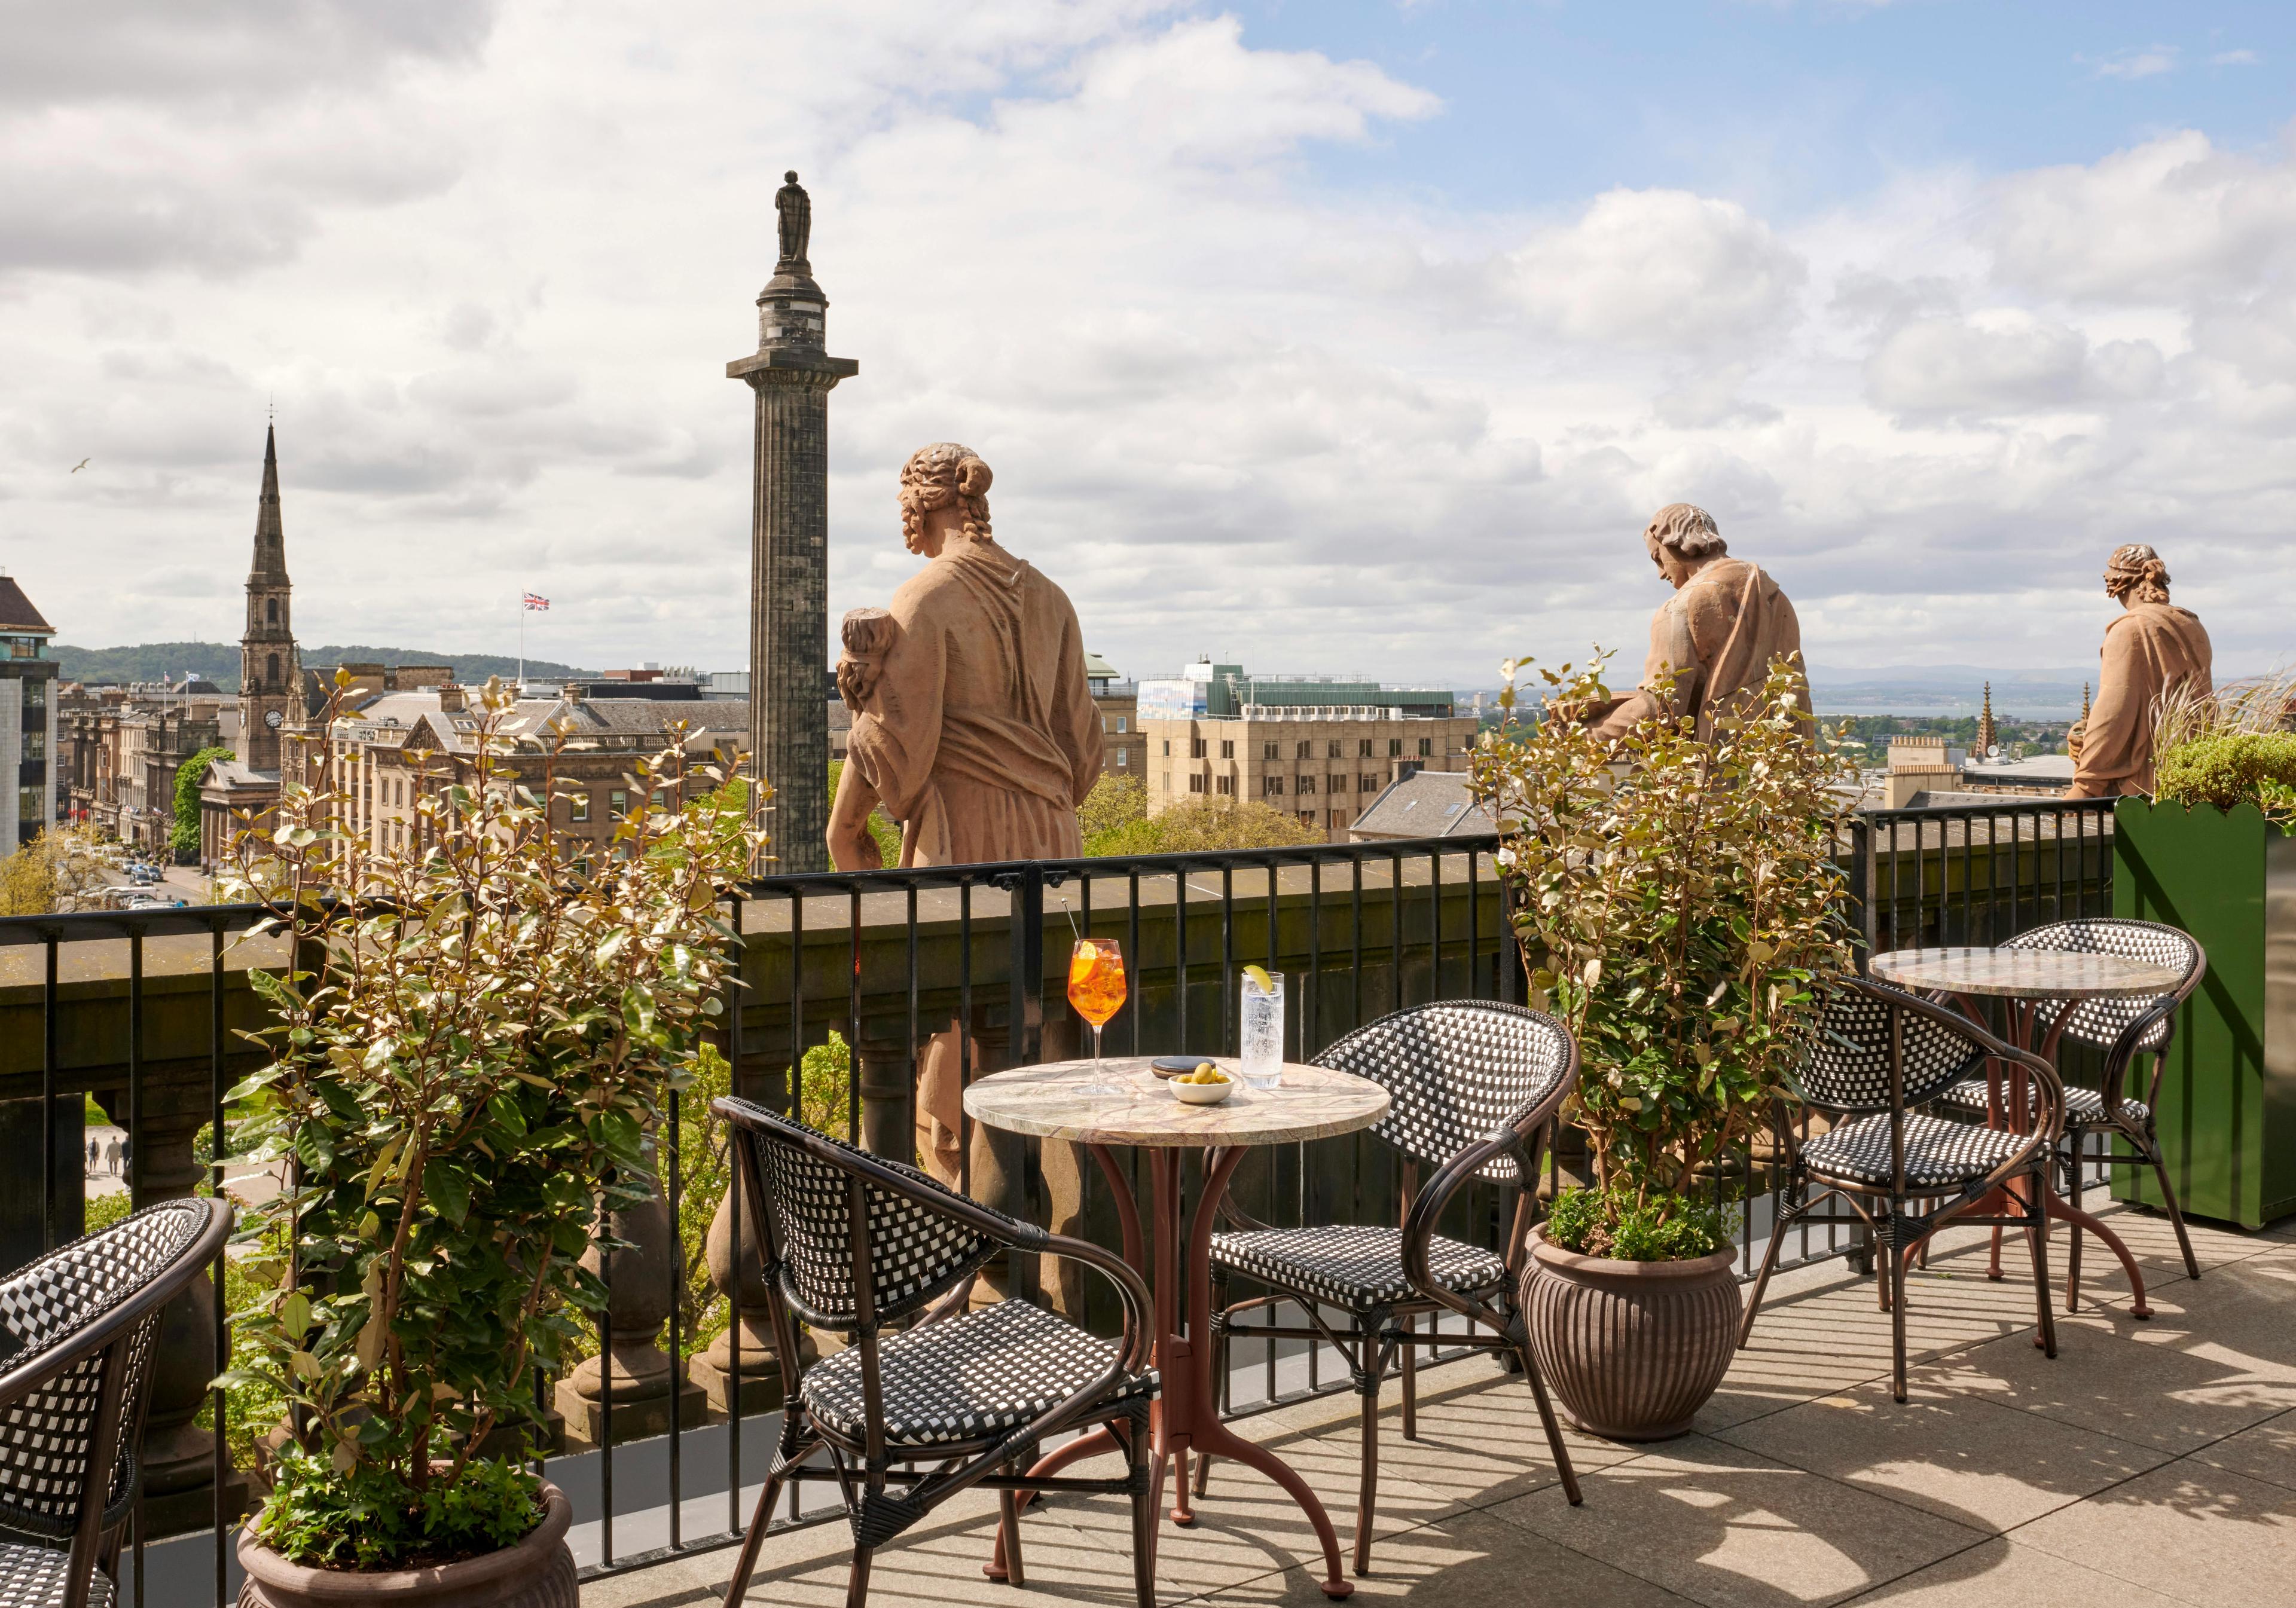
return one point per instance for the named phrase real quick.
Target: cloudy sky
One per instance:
(1330, 336)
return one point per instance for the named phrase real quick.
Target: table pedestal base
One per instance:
(1186, 1415)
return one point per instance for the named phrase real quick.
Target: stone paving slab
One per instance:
(2151, 1463)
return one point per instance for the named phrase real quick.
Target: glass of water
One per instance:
(1263, 1027)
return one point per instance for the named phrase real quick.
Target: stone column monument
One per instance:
(791, 375)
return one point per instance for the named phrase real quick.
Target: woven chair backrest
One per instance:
(1459, 1071)
(915, 1252)
(2102, 1021)
(1848, 1067)
(47, 1436)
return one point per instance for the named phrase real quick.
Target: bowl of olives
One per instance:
(1207, 1085)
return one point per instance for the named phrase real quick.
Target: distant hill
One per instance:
(218, 662)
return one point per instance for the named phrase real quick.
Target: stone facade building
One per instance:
(1125, 746)
(1321, 748)
(274, 692)
(28, 720)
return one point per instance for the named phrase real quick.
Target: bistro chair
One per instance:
(1474, 1084)
(2123, 1029)
(76, 1328)
(852, 1242)
(1904, 1174)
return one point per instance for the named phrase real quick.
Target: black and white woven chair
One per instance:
(2124, 1029)
(852, 1241)
(1474, 1084)
(76, 1328)
(1905, 1174)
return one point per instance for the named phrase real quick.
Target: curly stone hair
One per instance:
(1683, 528)
(939, 474)
(2134, 571)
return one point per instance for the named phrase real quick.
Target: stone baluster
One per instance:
(636, 1373)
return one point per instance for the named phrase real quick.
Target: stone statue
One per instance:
(795, 211)
(2152, 649)
(973, 722)
(1718, 634)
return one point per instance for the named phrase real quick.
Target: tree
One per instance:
(1205, 822)
(60, 870)
(189, 775)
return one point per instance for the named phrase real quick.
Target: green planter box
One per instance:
(2228, 1112)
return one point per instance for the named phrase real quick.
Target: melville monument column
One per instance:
(792, 374)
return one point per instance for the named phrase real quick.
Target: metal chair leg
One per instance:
(1769, 1260)
(857, 1579)
(1367, 1382)
(746, 1562)
(1008, 1521)
(2169, 1199)
(1134, 1435)
(2073, 1136)
(2037, 1233)
(1897, 1256)
(1410, 1381)
(1555, 1443)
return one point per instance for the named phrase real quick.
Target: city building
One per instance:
(275, 694)
(1124, 745)
(395, 744)
(1920, 764)
(1425, 804)
(28, 720)
(1320, 747)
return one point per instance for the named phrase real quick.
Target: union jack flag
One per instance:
(533, 601)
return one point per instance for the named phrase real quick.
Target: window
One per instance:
(1196, 783)
(1306, 818)
(35, 744)
(271, 669)
(1123, 723)
(271, 611)
(1307, 785)
(1227, 749)
(1338, 819)
(1227, 785)
(1124, 759)
(1167, 748)
(1395, 747)
(1195, 748)
(1364, 750)
(618, 803)
(36, 694)
(1270, 750)
(1426, 748)
(577, 806)
(1301, 752)
(1366, 784)
(1272, 785)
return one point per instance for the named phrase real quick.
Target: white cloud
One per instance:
(2234, 58)
(493, 273)
(2165, 220)
(1661, 269)
(2133, 61)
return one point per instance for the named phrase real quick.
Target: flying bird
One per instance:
(82, 464)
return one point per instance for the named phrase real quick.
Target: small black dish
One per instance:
(1172, 1067)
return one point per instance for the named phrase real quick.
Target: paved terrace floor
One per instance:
(2151, 1463)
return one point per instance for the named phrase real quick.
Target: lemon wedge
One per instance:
(1259, 978)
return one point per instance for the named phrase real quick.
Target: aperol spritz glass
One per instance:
(1096, 990)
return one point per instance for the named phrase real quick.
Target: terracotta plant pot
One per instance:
(1632, 1350)
(538, 1572)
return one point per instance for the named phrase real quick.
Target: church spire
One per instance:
(270, 566)
(1988, 735)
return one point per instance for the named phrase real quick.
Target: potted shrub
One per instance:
(1675, 897)
(2213, 852)
(469, 1051)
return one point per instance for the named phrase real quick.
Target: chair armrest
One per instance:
(1419, 1223)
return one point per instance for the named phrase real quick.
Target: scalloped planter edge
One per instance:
(536, 1571)
(1632, 1350)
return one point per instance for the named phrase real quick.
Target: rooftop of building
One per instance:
(1428, 803)
(17, 615)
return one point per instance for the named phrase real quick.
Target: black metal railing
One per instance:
(940, 976)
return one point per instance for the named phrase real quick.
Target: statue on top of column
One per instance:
(2152, 649)
(1716, 635)
(794, 209)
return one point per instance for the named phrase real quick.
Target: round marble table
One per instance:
(1051, 1102)
(2025, 980)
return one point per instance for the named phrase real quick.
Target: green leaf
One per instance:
(447, 1188)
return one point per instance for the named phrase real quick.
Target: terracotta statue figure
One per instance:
(973, 722)
(2154, 648)
(1718, 634)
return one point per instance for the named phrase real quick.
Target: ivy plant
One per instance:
(1676, 897)
(468, 1053)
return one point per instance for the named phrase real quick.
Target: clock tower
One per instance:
(270, 675)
